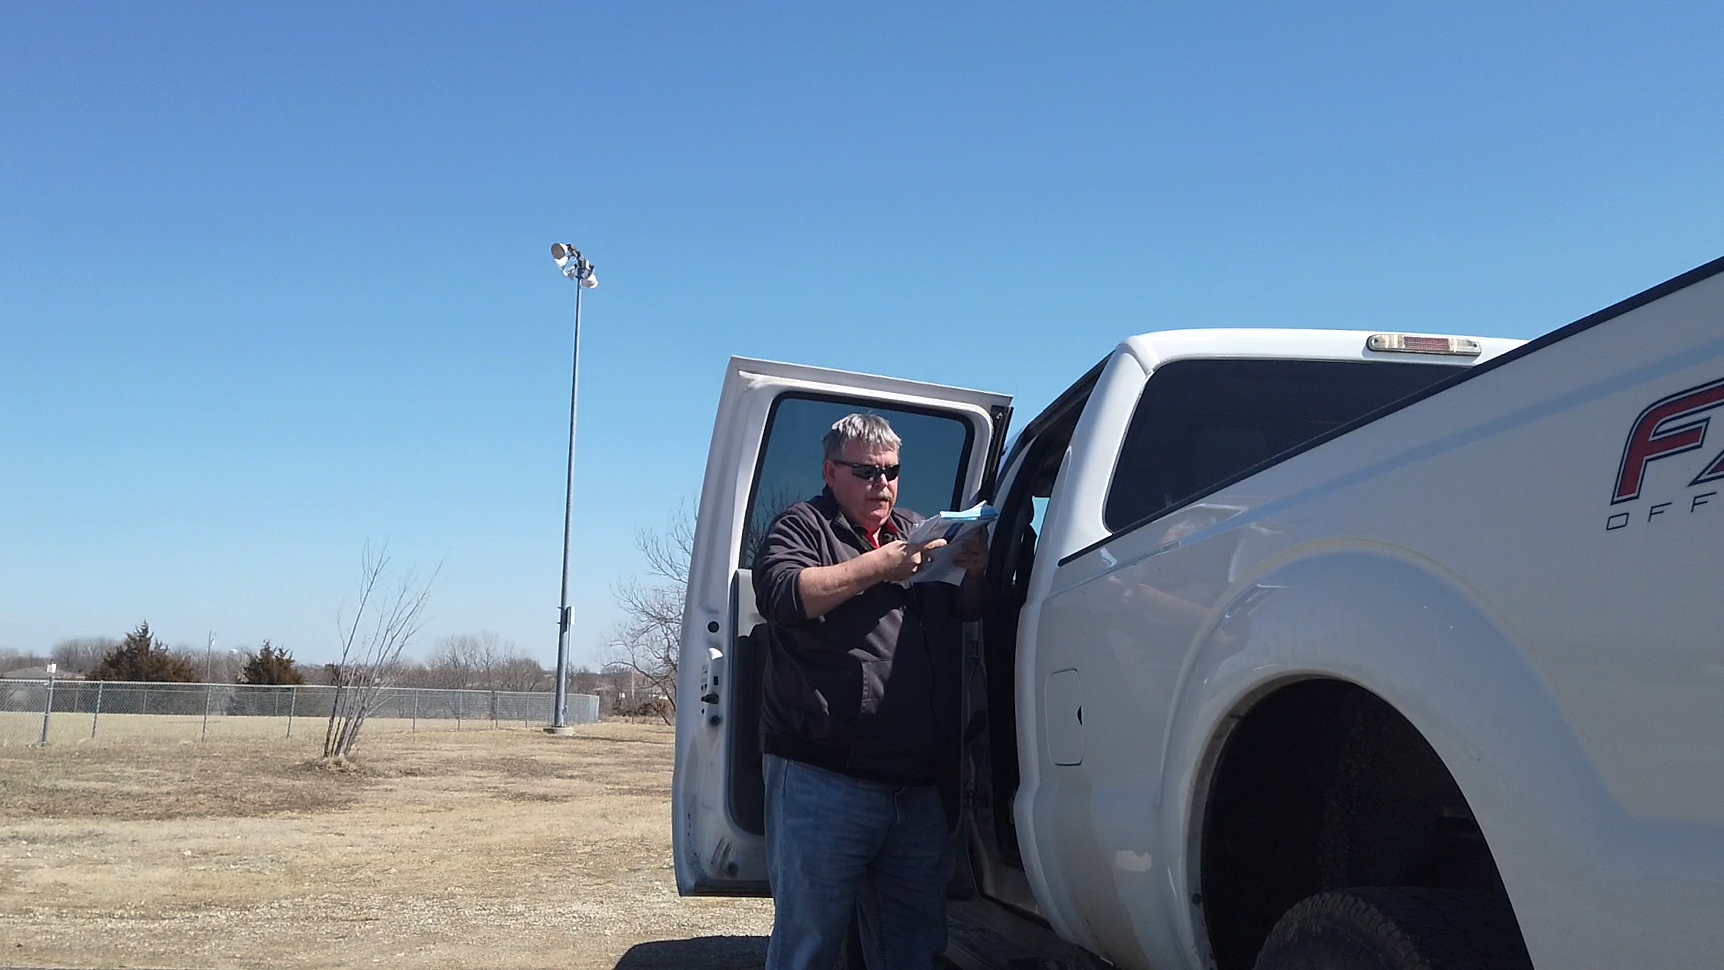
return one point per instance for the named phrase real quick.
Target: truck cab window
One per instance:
(1201, 423)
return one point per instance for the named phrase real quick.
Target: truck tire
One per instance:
(1396, 928)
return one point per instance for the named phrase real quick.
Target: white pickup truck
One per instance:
(1306, 648)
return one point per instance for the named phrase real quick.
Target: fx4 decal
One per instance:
(1669, 426)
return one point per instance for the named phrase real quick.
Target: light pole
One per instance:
(209, 678)
(576, 267)
(209, 675)
(48, 709)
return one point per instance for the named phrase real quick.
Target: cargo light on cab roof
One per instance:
(1407, 343)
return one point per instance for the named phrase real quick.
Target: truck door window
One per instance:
(1200, 423)
(935, 456)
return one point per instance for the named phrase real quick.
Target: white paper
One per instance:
(954, 527)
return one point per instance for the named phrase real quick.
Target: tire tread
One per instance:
(1406, 928)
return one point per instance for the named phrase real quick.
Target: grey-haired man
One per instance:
(859, 713)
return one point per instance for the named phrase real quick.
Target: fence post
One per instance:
(292, 702)
(493, 708)
(48, 709)
(98, 715)
(414, 727)
(206, 731)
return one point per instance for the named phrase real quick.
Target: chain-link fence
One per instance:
(51, 711)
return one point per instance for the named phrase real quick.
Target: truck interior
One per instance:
(990, 755)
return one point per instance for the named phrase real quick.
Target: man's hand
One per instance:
(901, 560)
(972, 554)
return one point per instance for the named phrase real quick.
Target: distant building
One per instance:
(38, 673)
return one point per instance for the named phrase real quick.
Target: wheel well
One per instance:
(1322, 785)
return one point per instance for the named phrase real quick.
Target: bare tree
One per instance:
(483, 660)
(214, 665)
(12, 658)
(668, 552)
(412, 673)
(81, 654)
(391, 609)
(522, 673)
(648, 640)
(766, 509)
(585, 681)
(454, 661)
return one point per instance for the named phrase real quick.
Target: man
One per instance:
(859, 714)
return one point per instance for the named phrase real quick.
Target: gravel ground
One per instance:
(495, 848)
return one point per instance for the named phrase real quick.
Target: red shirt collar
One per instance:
(888, 528)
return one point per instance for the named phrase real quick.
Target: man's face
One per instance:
(866, 502)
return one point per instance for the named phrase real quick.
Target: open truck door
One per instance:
(766, 456)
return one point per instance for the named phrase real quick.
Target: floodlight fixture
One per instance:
(574, 265)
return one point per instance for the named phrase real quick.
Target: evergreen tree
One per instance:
(271, 665)
(141, 657)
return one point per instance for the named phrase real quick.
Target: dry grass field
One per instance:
(494, 848)
(67, 728)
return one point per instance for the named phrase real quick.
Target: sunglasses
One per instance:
(868, 472)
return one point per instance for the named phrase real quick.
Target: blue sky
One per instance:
(274, 278)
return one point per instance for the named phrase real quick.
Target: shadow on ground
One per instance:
(699, 953)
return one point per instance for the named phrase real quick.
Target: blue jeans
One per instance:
(838, 846)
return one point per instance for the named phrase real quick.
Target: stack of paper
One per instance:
(954, 527)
